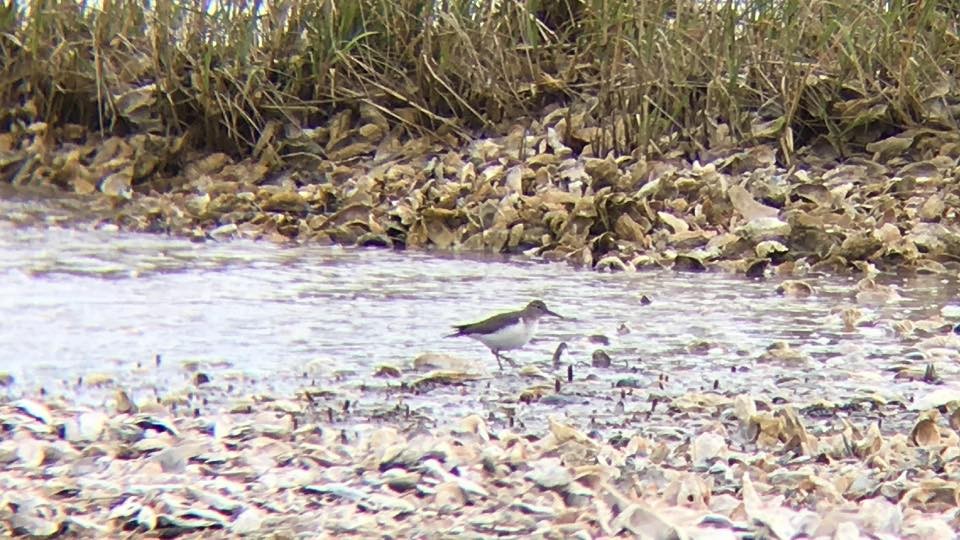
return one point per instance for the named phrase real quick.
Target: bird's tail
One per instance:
(458, 333)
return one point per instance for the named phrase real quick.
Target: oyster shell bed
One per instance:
(216, 462)
(711, 464)
(543, 190)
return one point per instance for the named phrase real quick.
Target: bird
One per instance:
(506, 331)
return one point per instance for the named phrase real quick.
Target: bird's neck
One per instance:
(529, 319)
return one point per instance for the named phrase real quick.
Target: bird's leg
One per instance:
(496, 354)
(509, 360)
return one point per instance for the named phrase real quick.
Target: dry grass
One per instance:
(656, 74)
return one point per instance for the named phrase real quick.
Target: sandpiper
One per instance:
(506, 331)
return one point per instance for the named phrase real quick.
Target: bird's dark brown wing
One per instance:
(487, 326)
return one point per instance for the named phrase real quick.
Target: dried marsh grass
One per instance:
(653, 75)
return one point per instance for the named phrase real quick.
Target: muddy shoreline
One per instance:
(312, 464)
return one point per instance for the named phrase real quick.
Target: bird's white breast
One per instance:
(510, 337)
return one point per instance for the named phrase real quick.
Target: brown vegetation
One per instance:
(235, 75)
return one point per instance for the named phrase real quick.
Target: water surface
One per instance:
(268, 318)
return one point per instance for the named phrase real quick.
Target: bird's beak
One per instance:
(557, 315)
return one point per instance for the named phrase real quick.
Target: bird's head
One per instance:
(538, 309)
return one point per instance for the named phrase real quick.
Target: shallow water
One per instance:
(261, 318)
